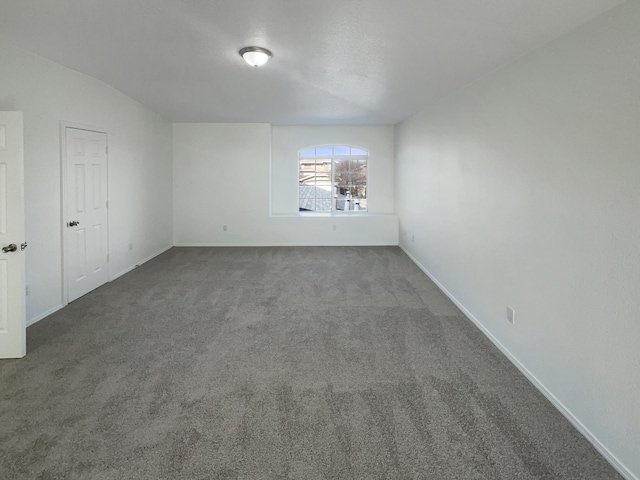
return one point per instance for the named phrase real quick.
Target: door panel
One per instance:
(4, 287)
(81, 252)
(86, 194)
(97, 190)
(3, 194)
(79, 185)
(13, 338)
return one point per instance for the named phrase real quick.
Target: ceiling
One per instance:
(357, 62)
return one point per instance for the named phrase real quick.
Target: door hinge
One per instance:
(107, 203)
(108, 256)
(106, 149)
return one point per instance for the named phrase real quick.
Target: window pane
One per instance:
(342, 190)
(323, 180)
(323, 192)
(306, 191)
(307, 167)
(309, 152)
(341, 150)
(323, 205)
(307, 205)
(323, 165)
(341, 176)
(348, 203)
(358, 151)
(362, 204)
(307, 198)
(307, 178)
(324, 151)
(358, 172)
(308, 164)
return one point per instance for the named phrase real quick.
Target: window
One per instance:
(332, 178)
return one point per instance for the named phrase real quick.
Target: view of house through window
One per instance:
(332, 178)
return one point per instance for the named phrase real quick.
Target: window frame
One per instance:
(333, 158)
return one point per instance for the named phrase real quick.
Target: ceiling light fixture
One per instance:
(255, 56)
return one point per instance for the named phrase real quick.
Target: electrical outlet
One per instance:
(224, 228)
(334, 228)
(27, 289)
(511, 315)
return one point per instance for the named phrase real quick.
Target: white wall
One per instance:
(524, 190)
(140, 184)
(222, 176)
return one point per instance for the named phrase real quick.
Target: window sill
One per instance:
(329, 214)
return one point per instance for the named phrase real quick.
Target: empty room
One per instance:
(270, 239)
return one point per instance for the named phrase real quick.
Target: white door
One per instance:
(13, 331)
(86, 236)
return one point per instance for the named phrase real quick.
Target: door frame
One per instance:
(63, 201)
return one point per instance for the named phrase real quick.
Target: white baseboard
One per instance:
(144, 260)
(43, 315)
(598, 445)
(55, 309)
(288, 244)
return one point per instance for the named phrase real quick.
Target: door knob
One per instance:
(73, 223)
(10, 248)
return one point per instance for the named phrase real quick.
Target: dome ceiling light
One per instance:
(255, 56)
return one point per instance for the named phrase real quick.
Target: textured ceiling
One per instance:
(335, 61)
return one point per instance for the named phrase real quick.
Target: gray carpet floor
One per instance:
(276, 363)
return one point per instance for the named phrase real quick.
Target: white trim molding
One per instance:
(37, 318)
(141, 262)
(55, 309)
(287, 244)
(597, 444)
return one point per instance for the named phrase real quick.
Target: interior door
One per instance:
(13, 331)
(86, 239)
